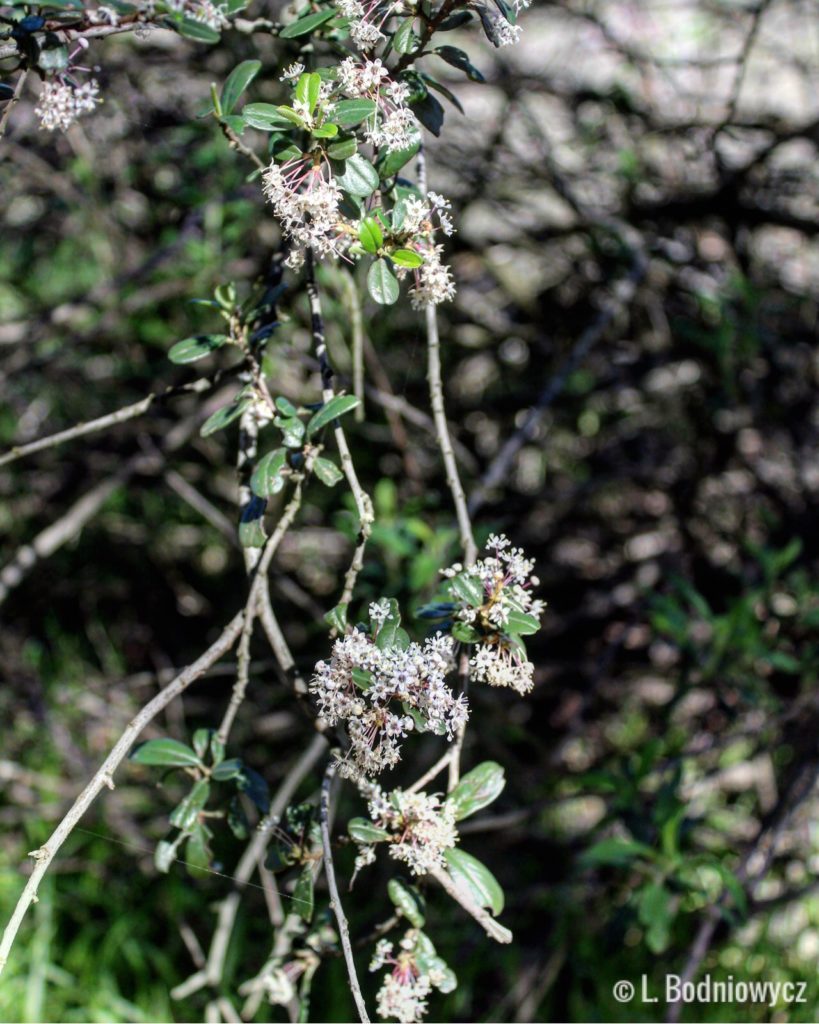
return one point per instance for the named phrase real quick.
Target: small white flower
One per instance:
(60, 104)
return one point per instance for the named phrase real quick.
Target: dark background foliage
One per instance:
(636, 196)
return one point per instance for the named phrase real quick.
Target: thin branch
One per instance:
(58, 533)
(111, 419)
(362, 500)
(104, 775)
(18, 88)
(453, 479)
(335, 899)
(257, 586)
(430, 773)
(252, 857)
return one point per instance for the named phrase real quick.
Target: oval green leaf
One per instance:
(382, 284)
(237, 81)
(192, 349)
(359, 177)
(337, 406)
(348, 113)
(364, 831)
(267, 478)
(477, 789)
(468, 873)
(306, 24)
(165, 752)
(327, 472)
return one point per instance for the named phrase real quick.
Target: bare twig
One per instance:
(335, 899)
(104, 775)
(111, 419)
(62, 530)
(453, 479)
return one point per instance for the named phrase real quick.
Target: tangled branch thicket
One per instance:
(337, 338)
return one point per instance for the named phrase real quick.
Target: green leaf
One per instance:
(616, 852)
(254, 785)
(359, 177)
(292, 430)
(227, 770)
(343, 149)
(458, 59)
(201, 741)
(404, 39)
(237, 81)
(286, 407)
(184, 816)
(54, 59)
(217, 747)
(407, 902)
(196, 30)
(164, 856)
(406, 258)
(348, 113)
(306, 24)
(267, 478)
(468, 589)
(337, 406)
(337, 617)
(237, 819)
(235, 122)
(465, 633)
(382, 284)
(521, 624)
(303, 89)
(655, 912)
(327, 472)
(370, 236)
(391, 163)
(222, 417)
(303, 893)
(327, 131)
(265, 116)
(197, 853)
(362, 677)
(252, 533)
(192, 349)
(468, 873)
(363, 831)
(166, 752)
(477, 789)
(430, 113)
(291, 115)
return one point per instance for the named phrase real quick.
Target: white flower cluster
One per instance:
(373, 690)
(504, 579)
(422, 827)
(60, 103)
(403, 993)
(393, 126)
(214, 15)
(306, 204)
(433, 280)
(367, 18)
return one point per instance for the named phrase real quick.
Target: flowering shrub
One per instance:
(339, 163)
